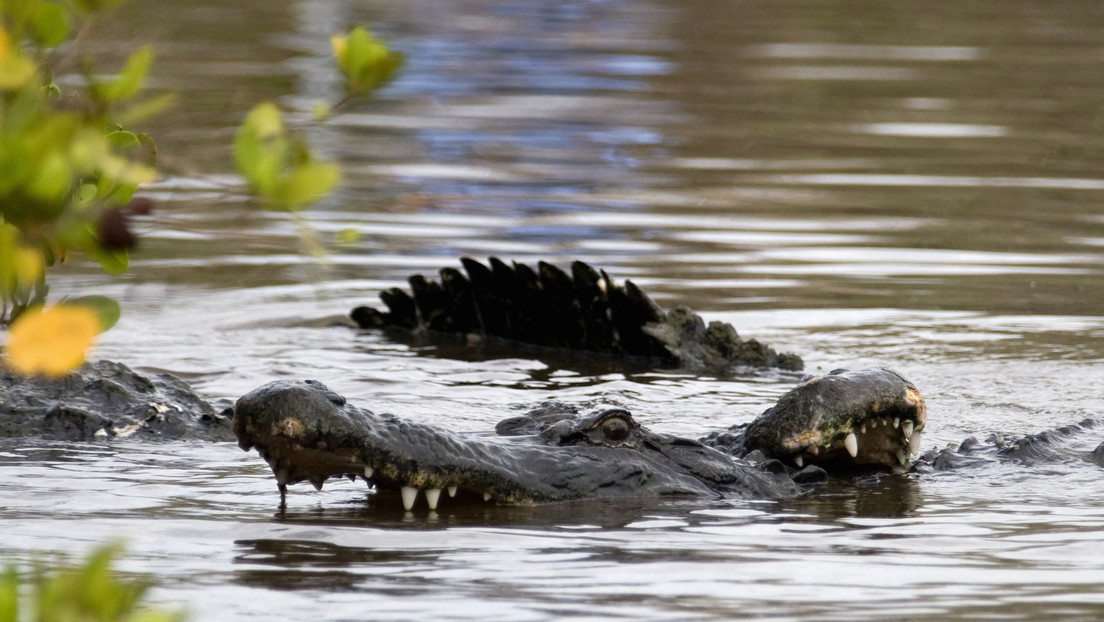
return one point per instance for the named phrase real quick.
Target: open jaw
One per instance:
(868, 417)
(308, 433)
(840, 420)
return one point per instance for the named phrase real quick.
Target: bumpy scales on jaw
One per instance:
(867, 417)
(308, 433)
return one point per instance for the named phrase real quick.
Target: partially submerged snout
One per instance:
(867, 417)
(308, 433)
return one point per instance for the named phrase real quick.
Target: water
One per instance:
(862, 183)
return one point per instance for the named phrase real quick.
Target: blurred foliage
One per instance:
(277, 163)
(85, 592)
(67, 166)
(366, 63)
(52, 341)
(69, 169)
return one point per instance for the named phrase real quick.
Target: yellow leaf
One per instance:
(349, 236)
(28, 266)
(265, 120)
(50, 342)
(339, 44)
(306, 184)
(15, 70)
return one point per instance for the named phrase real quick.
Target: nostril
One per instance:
(558, 431)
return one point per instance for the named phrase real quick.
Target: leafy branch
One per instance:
(69, 168)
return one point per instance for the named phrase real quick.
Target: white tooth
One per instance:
(862, 430)
(896, 422)
(282, 477)
(409, 495)
(914, 442)
(368, 471)
(452, 491)
(885, 421)
(902, 457)
(487, 496)
(906, 427)
(873, 423)
(799, 461)
(851, 442)
(432, 495)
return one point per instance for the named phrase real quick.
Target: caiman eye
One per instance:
(615, 429)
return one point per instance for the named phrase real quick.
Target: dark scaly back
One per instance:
(581, 311)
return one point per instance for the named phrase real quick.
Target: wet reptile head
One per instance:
(614, 427)
(867, 417)
(308, 433)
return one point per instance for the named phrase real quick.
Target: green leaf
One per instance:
(264, 120)
(9, 243)
(261, 148)
(130, 79)
(349, 236)
(16, 168)
(86, 195)
(123, 171)
(51, 24)
(306, 184)
(113, 262)
(365, 62)
(9, 594)
(52, 181)
(148, 152)
(145, 109)
(15, 71)
(106, 309)
(122, 139)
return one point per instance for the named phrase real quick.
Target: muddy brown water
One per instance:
(878, 183)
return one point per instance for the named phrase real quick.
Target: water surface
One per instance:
(862, 183)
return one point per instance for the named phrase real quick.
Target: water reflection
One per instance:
(309, 565)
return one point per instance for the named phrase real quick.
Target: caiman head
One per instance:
(308, 433)
(867, 417)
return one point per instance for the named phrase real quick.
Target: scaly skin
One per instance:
(875, 412)
(308, 433)
(584, 311)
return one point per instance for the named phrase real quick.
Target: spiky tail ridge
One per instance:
(583, 311)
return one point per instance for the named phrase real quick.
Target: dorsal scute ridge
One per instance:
(580, 310)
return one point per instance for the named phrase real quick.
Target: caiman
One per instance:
(306, 432)
(844, 419)
(840, 423)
